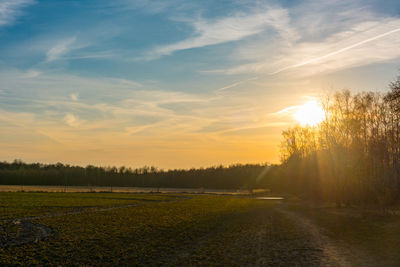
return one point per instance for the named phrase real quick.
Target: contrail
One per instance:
(285, 110)
(235, 84)
(312, 60)
(338, 51)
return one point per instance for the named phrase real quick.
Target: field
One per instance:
(187, 230)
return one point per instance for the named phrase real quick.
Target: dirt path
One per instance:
(335, 252)
(269, 237)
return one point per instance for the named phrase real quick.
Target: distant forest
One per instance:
(352, 157)
(232, 177)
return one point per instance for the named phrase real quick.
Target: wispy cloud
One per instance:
(235, 84)
(11, 9)
(32, 74)
(157, 109)
(150, 6)
(228, 29)
(135, 119)
(355, 37)
(285, 110)
(387, 49)
(71, 120)
(91, 55)
(74, 96)
(60, 49)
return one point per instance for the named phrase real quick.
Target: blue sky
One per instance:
(179, 83)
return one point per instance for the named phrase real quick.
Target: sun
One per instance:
(310, 114)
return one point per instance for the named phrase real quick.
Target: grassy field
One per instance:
(182, 230)
(20, 204)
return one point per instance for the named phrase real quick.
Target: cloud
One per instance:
(60, 49)
(74, 96)
(285, 110)
(90, 55)
(113, 101)
(71, 120)
(135, 111)
(228, 29)
(11, 9)
(32, 74)
(20, 131)
(150, 6)
(235, 84)
(360, 40)
(112, 114)
(136, 119)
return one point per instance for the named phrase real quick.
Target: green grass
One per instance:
(20, 204)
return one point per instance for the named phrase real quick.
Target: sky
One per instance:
(179, 84)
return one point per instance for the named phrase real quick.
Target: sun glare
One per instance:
(310, 114)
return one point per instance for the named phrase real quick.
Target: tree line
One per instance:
(351, 157)
(236, 176)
